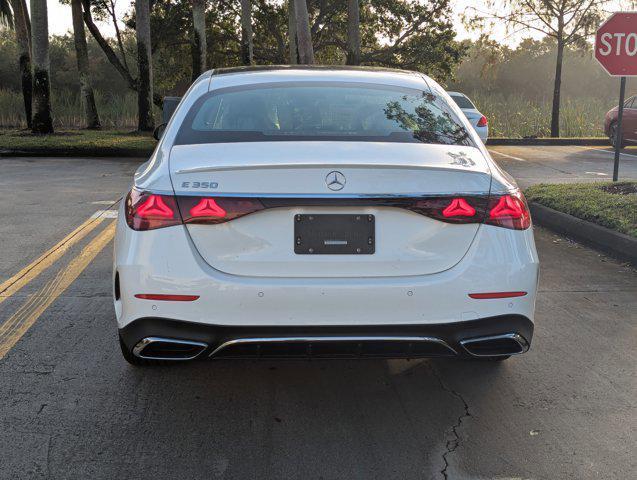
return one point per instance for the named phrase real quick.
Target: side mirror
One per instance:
(169, 105)
(159, 131)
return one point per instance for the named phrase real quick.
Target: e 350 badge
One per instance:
(199, 184)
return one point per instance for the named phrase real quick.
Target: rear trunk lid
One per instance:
(263, 243)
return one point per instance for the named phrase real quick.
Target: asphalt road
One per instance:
(564, 164)
(71, 408)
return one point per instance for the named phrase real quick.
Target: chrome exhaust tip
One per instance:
(170, 349)
(496, 345)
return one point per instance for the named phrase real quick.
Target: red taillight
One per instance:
(207, 207)
(483, 122)
(207, 210)
(154, 206)
(147, 211)
(458, 208)
(509, 211)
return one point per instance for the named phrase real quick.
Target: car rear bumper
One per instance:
(486, 337)
(164, 261)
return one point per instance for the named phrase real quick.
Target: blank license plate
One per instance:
(334, 234)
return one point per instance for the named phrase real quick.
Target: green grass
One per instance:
(77, 142)
(612, 205)
(115, 111)
(516, 117)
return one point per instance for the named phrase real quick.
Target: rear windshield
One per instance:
(321, 111)
(462, 101)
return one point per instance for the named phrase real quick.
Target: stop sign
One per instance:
(616, 44)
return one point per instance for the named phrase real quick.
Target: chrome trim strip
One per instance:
(322, 165)
(213, 194)
(138, 349)
(519, 339)
(243, 341)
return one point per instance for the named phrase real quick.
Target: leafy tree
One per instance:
(353, 33)
(568, 22)
(146, 122)
(42, 121)
(303, 33)
(81, 52)
(199, 46)
(247, 45)
(16, 16)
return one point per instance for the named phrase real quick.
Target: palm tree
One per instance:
(42, 121)
(145, 120)
(353, 33)
(303, 35)
(294, 54)
(6, 14)
(199, 47)
(246, 33)
(81, 51)
(14, 14)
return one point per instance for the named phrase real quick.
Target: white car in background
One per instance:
(322, 212)
(477, 120)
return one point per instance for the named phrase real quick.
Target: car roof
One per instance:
(270, 68)
(458, 94)
(234, 76)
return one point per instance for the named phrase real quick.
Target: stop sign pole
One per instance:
(618, 132)
(616, 51)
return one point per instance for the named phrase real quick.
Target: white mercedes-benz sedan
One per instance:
(322, 212)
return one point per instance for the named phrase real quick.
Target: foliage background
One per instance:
(511, 86)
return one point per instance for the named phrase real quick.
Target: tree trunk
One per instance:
(81, 52)
(145, 120)
(199, 50)
(42, 121)
(246, 33)
(294, 54)
(353, 33)
(23, 39)
(557, 90)
(304, 38)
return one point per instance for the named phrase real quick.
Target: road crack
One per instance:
(454, 442)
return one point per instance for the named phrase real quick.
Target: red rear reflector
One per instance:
(170, 298)
(482, 296)
(483, 122)
(207, 207)
(459, 208)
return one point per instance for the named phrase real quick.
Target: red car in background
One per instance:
(629, 123)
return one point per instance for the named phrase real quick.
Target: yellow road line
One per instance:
(15, 327)
(48, 258)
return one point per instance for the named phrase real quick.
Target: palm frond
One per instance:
(6, 14)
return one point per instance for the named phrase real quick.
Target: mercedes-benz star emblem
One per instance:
(335, 180)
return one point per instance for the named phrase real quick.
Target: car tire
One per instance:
(612, 131)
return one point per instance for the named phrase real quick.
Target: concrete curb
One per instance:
(550, 141)
(619, 245)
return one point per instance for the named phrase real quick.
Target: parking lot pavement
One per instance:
(563, 164)
(72, 408)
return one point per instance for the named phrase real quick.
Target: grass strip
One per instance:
(611, 205)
